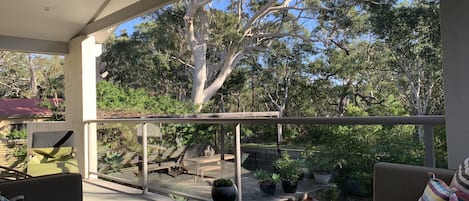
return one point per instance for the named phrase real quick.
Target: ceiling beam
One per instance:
(137, 9)
(32, 45)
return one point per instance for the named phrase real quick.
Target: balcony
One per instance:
(137, 166)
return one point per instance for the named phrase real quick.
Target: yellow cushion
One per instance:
(59, 166)
(53, 152)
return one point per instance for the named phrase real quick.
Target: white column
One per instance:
(455, 42)
(80, 99)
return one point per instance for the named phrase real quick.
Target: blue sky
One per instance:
(129, 26)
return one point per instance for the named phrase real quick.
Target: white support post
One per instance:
(145, 157)
(455, 48)
(429, 145)
(80, 99)
(238, 161)
(86, 171)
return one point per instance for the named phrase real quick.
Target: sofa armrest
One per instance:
(57, 187)
(393, 182)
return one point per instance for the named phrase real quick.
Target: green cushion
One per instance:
(57, 166)
(52, 160)
(53, 152)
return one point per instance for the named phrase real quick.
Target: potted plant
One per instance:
(322, 163)
(267, 181)
(223, 190)
(330, 193)
(289, 171)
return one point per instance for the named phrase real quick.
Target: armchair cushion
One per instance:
(53, 152)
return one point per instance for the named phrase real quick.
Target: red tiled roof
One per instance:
(19, 107)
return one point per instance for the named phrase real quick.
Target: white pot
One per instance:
(322, 178)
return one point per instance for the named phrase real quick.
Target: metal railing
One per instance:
(428, 123)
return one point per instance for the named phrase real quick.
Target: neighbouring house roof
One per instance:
(21, 107)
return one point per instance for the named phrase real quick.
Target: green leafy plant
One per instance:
(222, 182)
(177, 197)
(114, 160)
(20, 152)
(17, 134)
(289, 169)
(264, 177)
(320, 160)
(330, 193)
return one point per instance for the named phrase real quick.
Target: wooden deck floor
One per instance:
(97, 190)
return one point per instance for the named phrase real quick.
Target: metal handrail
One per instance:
(370, 120)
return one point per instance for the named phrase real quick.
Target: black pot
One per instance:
(289, 186)
(268, 188)
(224, 193)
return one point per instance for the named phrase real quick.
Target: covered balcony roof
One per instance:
(47, 26)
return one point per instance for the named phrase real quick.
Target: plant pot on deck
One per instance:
(224, 190)
(268, 189)
(224, 193)
(289, 186)
(322, 177)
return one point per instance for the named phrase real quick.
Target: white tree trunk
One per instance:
(32, 82)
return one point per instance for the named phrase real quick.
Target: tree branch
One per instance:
(182, 62)
(266, 9)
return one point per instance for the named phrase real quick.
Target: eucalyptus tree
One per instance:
(207, 40)
(356, 77)
(14, 74)
(412, 32)
(251, 26)
(283, 67)
(152, 57)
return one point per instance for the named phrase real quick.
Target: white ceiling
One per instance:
(48, 25)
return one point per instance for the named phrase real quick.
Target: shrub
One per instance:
(288, 169)
(17, 134)
(221, 182)
(264, 177)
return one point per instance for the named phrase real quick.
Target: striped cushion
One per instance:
(437, 190)
(461, 180)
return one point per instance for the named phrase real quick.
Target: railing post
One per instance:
(86, 151)
(145, 157)
(238, 161)
(429, 145)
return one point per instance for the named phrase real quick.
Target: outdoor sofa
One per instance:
(403, 182)
(56, 187)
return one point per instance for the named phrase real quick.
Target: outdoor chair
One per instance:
(50, 153)
(166, 158)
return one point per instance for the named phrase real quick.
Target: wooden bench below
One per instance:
(155, 167)
(203, 169)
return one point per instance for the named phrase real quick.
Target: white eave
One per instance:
(47, 26)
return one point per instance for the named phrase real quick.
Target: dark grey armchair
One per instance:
(403, 182)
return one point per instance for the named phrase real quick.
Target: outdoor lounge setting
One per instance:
(257, 109)
(51, 153)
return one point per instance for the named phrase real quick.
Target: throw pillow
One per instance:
(437, 190)
(461, 180)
